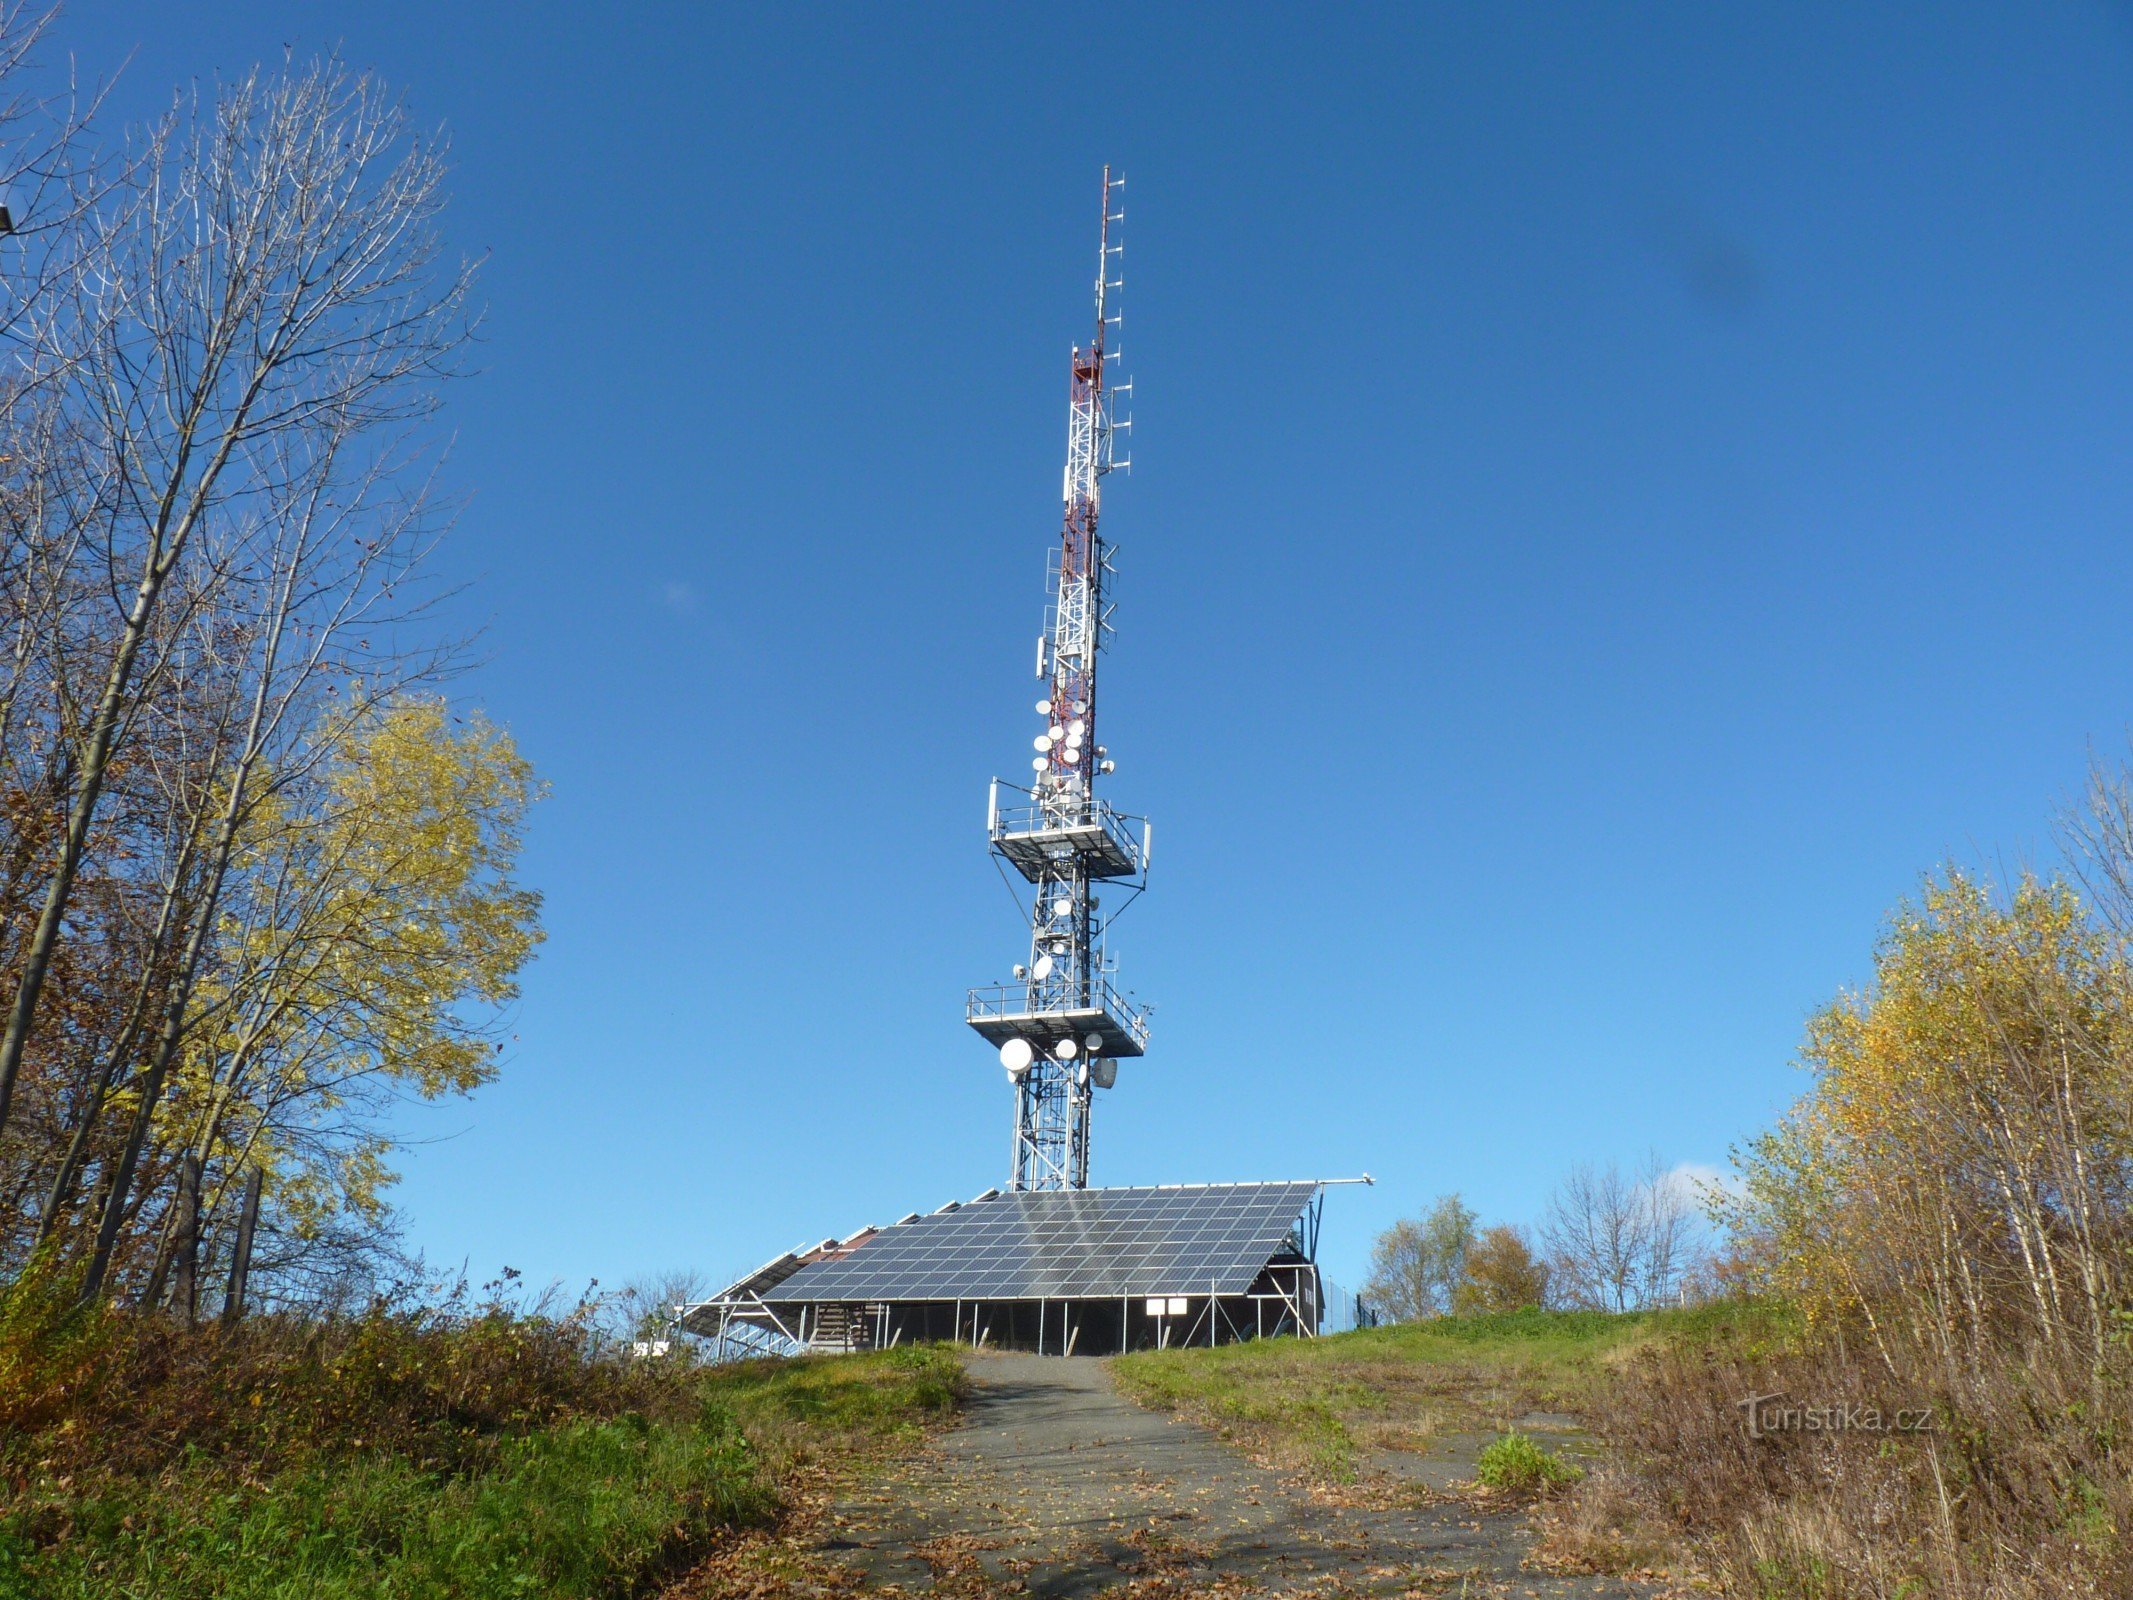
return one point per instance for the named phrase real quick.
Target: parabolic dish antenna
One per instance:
(1104, 1073)
(1015, 1056)
(1042, 970)
(1066, 1049)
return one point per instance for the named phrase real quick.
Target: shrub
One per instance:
(420, 1451)
(1513, 1461)
(1967, 1484)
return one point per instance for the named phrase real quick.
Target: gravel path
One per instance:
(1054, 1485)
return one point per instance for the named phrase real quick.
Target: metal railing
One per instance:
(1129, 833)
(1002, 1000)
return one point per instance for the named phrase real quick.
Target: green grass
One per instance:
(1513, 1461)
(876, 1396)
(585, 1509)
(1322, 1405)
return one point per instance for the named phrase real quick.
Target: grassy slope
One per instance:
(586, 1507)
(1323, 1404)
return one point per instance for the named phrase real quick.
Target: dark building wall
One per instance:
(1080, 1327)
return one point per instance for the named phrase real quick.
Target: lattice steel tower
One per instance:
(1061, 1026)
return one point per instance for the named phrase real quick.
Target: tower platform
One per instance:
(1032, 840)
(1002, 1011)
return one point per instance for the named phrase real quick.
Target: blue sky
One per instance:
(1618, 493)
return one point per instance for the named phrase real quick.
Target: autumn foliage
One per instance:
(439, 1448)
(1948, 1211)
(256, 872)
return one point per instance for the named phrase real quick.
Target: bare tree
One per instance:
(266, 301)
(646, 1307)
(1617, 1241)
(51, 179)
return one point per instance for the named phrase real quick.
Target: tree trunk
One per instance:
(241, 1253)
(185, 1256)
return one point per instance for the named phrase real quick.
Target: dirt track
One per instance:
(1054, 1485)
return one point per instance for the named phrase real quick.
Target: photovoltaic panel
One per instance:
(1068, 1244)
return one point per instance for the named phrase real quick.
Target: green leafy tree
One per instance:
(1418, 1266)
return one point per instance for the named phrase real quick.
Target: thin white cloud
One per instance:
(1697, 1180)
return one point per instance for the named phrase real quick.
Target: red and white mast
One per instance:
(1061, 1026)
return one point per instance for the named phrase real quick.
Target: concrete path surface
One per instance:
(1054, 1485)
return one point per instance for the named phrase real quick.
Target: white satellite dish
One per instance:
(1042, 970)
(1073, 754)
(1095, 1042)
(1041, 743)
(1062, 908)
(1066, 1049)
(1044, 708)
(1104, 1073)
(1038, 763)
(1081, 1075)
(1077, 728)
(1016, 1055)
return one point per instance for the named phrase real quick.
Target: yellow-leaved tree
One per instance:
(372, 937)
(1961, 1174)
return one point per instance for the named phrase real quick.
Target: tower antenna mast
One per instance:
(1061, 1026)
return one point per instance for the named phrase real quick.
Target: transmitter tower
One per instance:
(1061, 1026)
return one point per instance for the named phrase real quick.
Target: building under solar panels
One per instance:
(1058, 1271)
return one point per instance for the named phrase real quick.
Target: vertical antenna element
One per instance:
(1061, 1027)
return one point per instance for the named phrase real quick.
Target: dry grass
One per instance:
(2012, 1489)
(1606, 1524)
(129, 1394)
(419, 1451)
(2010, 1484)
(1324, 1406)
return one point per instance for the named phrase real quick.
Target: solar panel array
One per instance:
(1068, 1244)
